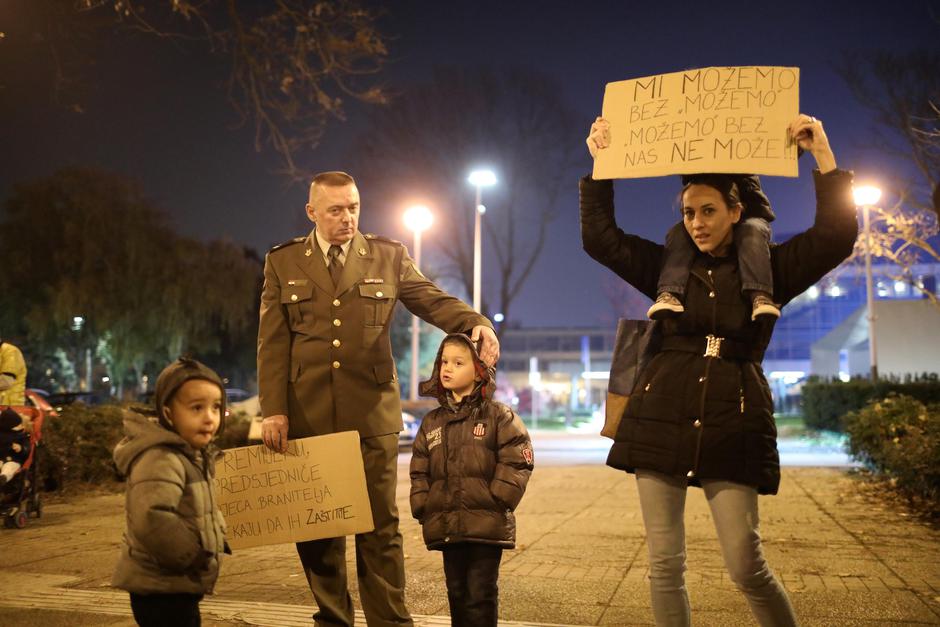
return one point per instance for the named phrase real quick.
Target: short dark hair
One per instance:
(333, 178)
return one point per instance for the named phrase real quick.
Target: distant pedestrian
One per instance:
(175, 532)
(12, 374)
(700, 413)
(470, 465)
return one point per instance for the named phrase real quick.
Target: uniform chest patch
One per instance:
(434, 437)
(479, 430)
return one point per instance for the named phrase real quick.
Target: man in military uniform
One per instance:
(325, 365)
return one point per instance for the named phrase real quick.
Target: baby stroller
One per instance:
(20, 496)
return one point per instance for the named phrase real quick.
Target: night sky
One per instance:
(158, 114)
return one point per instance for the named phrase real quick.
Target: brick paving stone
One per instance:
(854, 583)
(833, 582)
(843, 561)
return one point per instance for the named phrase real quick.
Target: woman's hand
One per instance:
(807, 132)
(599, 137)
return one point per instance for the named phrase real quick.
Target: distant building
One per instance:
(907, 341)
(568, 367)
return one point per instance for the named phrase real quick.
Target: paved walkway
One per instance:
(845, 558)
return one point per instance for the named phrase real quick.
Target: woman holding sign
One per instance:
(701, 413)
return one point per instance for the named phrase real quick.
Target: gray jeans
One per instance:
(734, 510)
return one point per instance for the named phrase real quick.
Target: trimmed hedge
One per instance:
(900, 438)
(826, 402)
(78, 444)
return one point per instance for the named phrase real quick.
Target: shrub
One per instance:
(235, 433)
(78, 444)
(826, 402)
(900, 438)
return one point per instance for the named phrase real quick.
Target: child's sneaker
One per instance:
(762, 305)
(666, 305)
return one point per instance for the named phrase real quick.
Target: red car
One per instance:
(37, 399)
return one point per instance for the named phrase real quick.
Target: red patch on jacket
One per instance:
(527, 454)
(479, 430)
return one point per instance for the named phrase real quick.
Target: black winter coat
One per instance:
(469, 467)
(712, 417)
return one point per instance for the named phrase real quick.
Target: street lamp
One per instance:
(865, 197)
(479, 179)
(417, 219)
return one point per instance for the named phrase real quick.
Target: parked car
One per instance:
(409, 432)
(405, 437)
(411, 415)
(236, 395)
(60, 400)
(39, 400)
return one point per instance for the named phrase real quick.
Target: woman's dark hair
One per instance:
(724, 183)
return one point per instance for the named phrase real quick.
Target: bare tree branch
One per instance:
(293, 63)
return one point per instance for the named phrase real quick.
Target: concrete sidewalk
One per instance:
(845, 559)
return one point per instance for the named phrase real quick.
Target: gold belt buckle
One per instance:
(713, 346)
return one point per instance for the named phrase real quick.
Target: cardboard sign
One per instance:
(317, 489)
(717, 119)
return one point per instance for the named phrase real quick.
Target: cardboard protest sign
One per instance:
(716, 119)
(317, 489)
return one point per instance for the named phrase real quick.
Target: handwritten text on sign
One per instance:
(717, 119)
(315, 490)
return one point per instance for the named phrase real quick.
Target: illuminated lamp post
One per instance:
(417, 219)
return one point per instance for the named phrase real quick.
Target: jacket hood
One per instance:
(143, 432)
(484, 388)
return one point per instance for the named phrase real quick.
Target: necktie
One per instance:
(336, 268)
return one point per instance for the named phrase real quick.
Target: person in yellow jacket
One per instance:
(12, 375)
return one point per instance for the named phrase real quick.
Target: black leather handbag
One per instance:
(635, 344)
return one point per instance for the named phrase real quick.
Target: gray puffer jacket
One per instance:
(470, 465)
(175, 532)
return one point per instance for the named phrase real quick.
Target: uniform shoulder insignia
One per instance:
(372, 237)
(296, 240)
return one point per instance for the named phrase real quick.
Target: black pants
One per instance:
(159, 610)
(471, 571)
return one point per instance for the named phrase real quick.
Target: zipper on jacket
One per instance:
(709, 282)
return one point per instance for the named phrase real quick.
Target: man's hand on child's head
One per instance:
(489, 352)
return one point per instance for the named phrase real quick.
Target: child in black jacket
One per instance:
(471, 461)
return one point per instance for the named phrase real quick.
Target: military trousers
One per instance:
(380, 561)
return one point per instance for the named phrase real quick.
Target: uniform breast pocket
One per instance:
(377, 302)
(298, 300)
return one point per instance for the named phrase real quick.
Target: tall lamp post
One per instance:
(479, 179)
(417, 219)
(865, 197)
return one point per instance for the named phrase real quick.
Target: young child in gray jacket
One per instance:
(175, 532)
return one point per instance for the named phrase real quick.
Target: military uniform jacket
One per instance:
(711, 417)
(324, 353)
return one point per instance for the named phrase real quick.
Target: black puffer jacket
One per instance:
(712, 417)
(470, 465)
